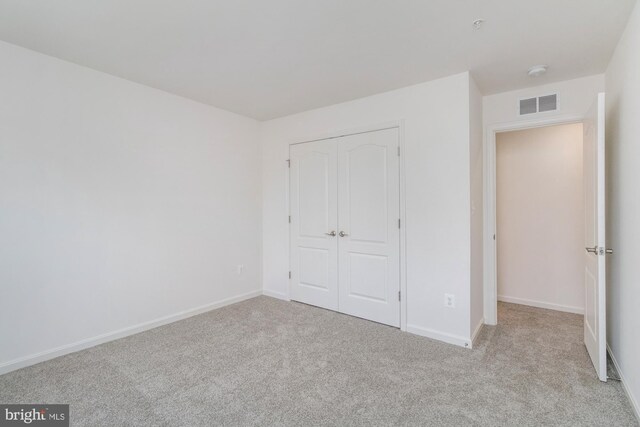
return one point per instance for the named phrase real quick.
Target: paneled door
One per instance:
(368, 226)
(595, 240)
(314, 215)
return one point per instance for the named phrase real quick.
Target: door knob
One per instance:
(609, 251)
(332, 234)
(593, 250)
(342, 234)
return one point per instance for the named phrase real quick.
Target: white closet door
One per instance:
(314, 252)
(369, 236)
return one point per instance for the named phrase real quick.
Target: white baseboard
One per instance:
(277, 295)
(541, 304)
(440, 336)
(635, 404)
(476, 332)
(32, 359)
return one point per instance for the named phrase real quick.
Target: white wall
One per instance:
(119, 205)
(540, 217)
(476, 176)
(574, 98)
(437, 159)
(623, 206)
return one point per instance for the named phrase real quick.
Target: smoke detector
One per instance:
(537, 70)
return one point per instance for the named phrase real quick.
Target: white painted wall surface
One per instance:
(119, 204)
(436, 155)
(623, 206)
(540, 217)
(476, 166)
(574, 98)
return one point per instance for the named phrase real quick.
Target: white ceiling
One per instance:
(270, 58)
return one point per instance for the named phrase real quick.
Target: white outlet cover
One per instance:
(450, 300)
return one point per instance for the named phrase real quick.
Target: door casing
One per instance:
(490, 254)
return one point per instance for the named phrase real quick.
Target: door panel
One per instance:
(368, 213)
(595, 243)
(314, 253)
(368, 276)
(314, 267)
(365, 189)
(313, 170)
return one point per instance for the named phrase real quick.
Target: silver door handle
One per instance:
(332, 234)
(609, 251)
(593, 250)
(342, 234)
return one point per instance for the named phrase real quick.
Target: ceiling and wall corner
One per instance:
(275, 58)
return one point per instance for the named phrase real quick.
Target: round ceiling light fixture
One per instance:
(537, 70)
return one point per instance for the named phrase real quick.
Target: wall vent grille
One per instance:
(547, 103)
(528, 106)
(540, 104)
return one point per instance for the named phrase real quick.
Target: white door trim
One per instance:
(490, 282)
(399, 124)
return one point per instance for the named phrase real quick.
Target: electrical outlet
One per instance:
(450, 300)
(239, 269)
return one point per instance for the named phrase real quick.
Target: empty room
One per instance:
(355, 212)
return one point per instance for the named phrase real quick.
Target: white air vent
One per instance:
(539, 104)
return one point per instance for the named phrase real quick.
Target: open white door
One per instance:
(314, 213)
(595, 243)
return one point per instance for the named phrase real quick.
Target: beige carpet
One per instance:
(268, 362)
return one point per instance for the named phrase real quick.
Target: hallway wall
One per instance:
(540, 217)
(623, 207)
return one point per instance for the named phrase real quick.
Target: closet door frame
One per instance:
(399, 124)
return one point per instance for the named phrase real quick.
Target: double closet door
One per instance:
(345, 237)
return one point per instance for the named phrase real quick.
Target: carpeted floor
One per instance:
(269, 362)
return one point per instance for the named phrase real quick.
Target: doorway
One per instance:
(540, 217)
(594, 257)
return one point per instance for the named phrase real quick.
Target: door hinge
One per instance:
(289, 219)
(289, 275)
(399, 296)
(398, 222)
(398, 151)
(288, 163)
